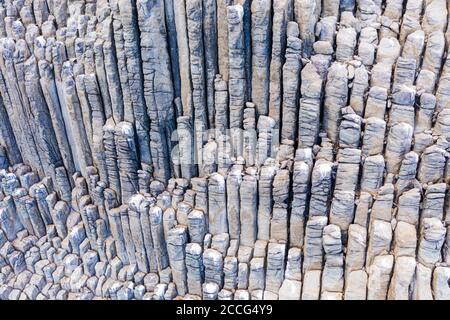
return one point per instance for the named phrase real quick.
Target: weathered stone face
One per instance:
(224, 149)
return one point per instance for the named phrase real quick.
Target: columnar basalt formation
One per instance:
(224, 149)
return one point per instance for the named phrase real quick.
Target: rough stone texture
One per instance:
(224, 149)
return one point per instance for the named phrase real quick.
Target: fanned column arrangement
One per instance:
(224, 149)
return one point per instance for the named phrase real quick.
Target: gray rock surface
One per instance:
(224, 149)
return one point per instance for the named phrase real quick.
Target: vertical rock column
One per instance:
(179, 8)
(309, 106)
(405, 243)
(217, 199)
(279, 224)
(10, 144)
(275, 270)
(292, 284)
(159, 238)
(111, 70)
(222, 36)
(211, 61)
(8, 139)
(157, 88)
(306, 14)
(195, 268)
(186, 147)
(98, 120)
(261, 46)
(127, 160)
(300, 189)
(131, 76)
(265, 199)
(16, 109)
(194, 14)
(82, 153)
(147, 237)
(336, 95)
(50, 154)
(291, 80)
(221, 123)
(49, 90)
(137, 232)
(237, 81)
(282, 11)
(411, 18)
(333, 271)
(313, 258)
(343, 203)
(264, 146)
(248, 208)
(355, 275)
(234, 180)
(109, 145)
(169, 10)
(176, 248)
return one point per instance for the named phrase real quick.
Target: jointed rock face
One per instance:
(224, 149)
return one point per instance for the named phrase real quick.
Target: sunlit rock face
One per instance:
(224, 149)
